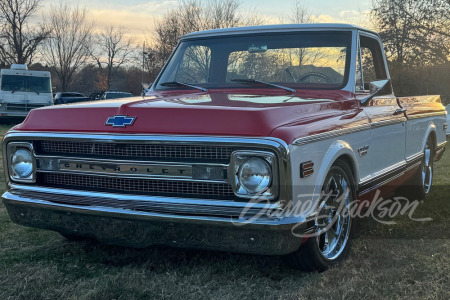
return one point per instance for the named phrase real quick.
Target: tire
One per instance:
(318, 253)
(419, 186)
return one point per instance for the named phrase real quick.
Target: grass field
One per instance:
(409, 260)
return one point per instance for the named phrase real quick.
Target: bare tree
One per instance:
(195, 15)
(112, 50)
(416, 34)
(18, 40)
(299, 13)
(414, 31)
(67, 49)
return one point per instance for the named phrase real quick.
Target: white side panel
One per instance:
(323, 154)
(418, 131)
(387, 148)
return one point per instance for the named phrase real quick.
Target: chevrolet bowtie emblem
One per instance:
(120, 121)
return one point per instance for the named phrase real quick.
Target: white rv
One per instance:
(22, 90)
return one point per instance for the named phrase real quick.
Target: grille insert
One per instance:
(142, 151)
(21, 107)
(145, 186)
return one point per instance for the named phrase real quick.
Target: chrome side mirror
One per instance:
(375, 87)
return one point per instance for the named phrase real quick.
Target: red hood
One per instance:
(190, 113)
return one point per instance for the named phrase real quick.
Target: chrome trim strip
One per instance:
(414, 161)
(341, 132)
(441, 145)
(425, 115)
(389, 174)
(387, 122)
(330, 134)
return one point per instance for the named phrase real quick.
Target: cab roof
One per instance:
(273, 28)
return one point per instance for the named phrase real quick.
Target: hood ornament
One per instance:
(120, 121)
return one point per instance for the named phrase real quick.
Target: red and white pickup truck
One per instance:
(249, 140)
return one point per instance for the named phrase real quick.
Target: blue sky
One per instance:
(138, 16)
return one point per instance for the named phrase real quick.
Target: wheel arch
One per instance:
(339, 150)
(431, 132)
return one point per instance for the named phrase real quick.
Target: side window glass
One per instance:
(371, 58)
(368, 67)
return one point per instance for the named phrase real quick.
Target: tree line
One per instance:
(83, 57)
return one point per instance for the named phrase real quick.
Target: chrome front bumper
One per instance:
(12, 114)
(127, 227)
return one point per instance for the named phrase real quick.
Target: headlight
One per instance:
(21, 162)
(254, 173)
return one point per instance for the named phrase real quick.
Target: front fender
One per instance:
(338, 149)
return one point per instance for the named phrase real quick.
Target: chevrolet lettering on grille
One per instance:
(127, 169)
(173, 171)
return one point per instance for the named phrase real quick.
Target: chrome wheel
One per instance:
(427, 168)
(334, 221)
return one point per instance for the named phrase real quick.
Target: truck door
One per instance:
(386, 151)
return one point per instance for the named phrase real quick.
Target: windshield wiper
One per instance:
(176, 83)
(266, 83)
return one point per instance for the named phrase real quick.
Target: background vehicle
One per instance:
(115, 95)
(22, 90)
(70, 97)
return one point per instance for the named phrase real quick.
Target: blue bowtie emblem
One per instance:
(120, 121)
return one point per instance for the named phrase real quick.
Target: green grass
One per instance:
(408, 260)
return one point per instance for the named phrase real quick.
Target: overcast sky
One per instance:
(139, 16)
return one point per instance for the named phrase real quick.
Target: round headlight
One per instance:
(255, 175)
(22, 163)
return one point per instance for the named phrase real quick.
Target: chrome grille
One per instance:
(20, 107)
(128, 185)
(141, 151)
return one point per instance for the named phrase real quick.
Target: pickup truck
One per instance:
(251, 139)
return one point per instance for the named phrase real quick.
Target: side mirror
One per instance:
(375, 87)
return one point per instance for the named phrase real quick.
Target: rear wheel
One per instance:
(420, 184)
(331, 243)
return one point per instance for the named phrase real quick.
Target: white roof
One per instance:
(273, 28)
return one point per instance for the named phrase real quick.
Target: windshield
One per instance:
(311, 60)
(18, 83)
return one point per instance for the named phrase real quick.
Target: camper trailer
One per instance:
(21, 90)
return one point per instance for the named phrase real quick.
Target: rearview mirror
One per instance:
(257, 48)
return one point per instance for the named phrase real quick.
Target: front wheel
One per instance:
(331, 242)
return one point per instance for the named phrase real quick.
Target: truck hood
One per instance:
(219, 113)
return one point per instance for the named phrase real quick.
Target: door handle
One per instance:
(399, 111)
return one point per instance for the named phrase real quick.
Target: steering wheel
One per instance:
(315, 74)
